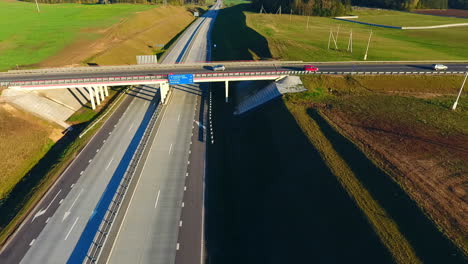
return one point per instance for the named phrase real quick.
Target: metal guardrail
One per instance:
(106, 224)
(206, 75)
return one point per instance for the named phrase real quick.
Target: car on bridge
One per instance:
(311, 68)
(218, 68)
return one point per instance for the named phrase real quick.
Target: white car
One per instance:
(439, 67)
(218, 68)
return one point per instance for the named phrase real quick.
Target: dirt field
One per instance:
(443, 12)
(36, 136)
(146, 33)
(407, 126)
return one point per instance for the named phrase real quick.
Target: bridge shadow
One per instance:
(270, 198)
(420, 231)
(231, 21)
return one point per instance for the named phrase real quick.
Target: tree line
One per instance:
(305, 7)
(171, 2)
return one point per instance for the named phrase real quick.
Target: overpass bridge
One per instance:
(97, 79)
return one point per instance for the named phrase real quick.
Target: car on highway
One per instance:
(439, 67)
(218, 68)
(311, 68)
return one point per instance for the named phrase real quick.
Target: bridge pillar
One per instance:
(106, 91)
(96, 92)
(226, 84)
(91, 97)
(164, 89)
(101, 90)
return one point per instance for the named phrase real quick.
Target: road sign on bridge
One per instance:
(180, 79)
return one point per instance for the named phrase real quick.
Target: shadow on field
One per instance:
(230, 22)
(271, 199)
(430, 244)
(11, 205)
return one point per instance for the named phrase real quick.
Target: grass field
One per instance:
(285, 37)
(28, 37)
(391, 141)
(148, 32)
(401, 19)
(19, 156)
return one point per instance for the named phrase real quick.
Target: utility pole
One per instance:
(279, 11)
(37, 5)
(368, 43)
(350, 42)
(459, 93)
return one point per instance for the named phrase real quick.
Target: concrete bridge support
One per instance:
(106, 91)
(101, 91)
(227, 90)
(91, 97)
(96, 92)
(164, 89)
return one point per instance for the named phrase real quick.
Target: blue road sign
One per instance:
(180, 79)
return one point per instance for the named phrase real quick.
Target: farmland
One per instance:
(34, 36)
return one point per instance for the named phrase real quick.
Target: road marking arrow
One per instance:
(43, 211)
(68, 212)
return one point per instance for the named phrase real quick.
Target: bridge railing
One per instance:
(118, 80)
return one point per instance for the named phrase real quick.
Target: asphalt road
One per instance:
(163, 221)
(51, 232)
(202, 68)
(64, 211)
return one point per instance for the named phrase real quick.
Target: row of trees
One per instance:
(458, 4)
(412, 4)
(306, 7)
(171, 2)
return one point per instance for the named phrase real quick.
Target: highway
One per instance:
(230, 68)
(51, 232)
(163, 221)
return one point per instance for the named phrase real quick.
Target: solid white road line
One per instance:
(109, 163)
(157, 199)
(32, 242)
(67, 213)
(72, 228)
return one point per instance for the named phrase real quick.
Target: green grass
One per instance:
(28, 37)
(288, 38)
(228, 3)
(402, 19)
